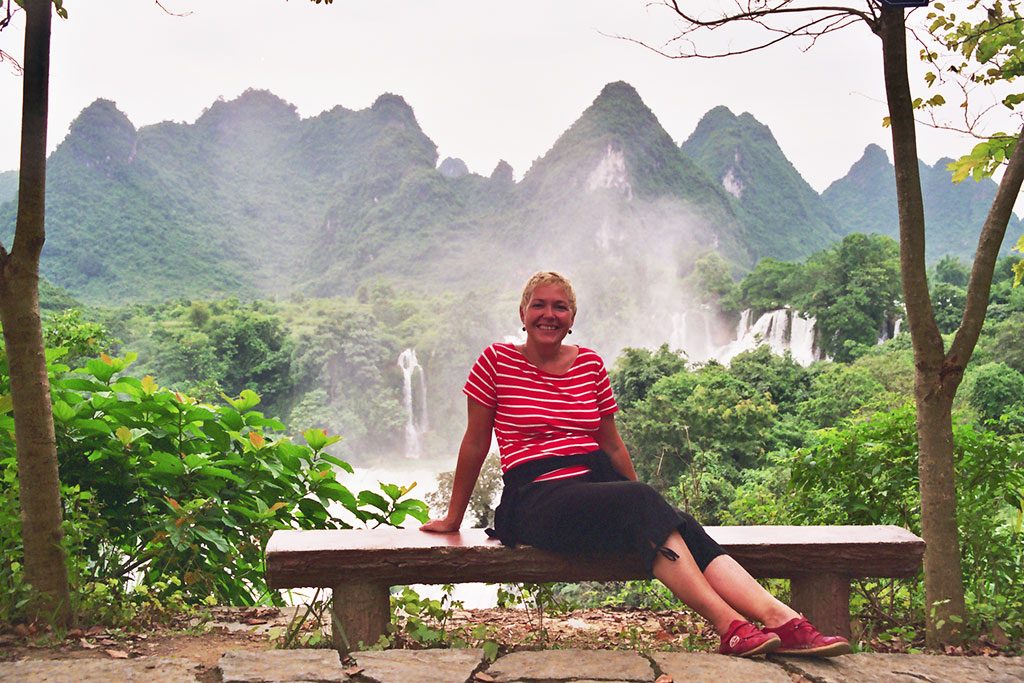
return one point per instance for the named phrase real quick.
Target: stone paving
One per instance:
(548, 666)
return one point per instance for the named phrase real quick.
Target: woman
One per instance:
(570, 486)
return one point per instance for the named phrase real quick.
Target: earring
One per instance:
(524, 328)
(570, 331)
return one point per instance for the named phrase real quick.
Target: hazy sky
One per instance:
(488, 80)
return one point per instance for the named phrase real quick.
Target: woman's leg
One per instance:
(683, 577)
(745, 594)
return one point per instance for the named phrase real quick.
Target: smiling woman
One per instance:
(570, 486)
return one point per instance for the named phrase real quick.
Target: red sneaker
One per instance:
(799, 637)
(743, 639)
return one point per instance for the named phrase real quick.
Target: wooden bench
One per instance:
(360, 566)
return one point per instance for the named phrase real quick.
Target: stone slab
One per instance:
(702, 666)
(887, 668)
(281, 666)
(142, 670)
(572, 665)
(405, 666)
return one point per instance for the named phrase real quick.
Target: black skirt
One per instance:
(602, 513)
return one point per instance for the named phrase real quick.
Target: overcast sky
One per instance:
(488, 80)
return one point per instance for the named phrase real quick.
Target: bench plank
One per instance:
(327, 558)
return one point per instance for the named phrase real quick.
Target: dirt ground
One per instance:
(205, 638)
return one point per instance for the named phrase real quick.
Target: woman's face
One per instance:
(547, 316)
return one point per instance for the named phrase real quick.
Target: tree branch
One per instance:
(15, 66)
(817, 21)
(989, 241)
(925, 336)
(167, 11)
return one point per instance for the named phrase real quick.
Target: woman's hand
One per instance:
(441, 526)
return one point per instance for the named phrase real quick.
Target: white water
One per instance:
(691, 331)
(414, 393)
(782, 330)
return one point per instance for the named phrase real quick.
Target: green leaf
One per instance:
(128, 385)
(100, 370)
(231, 418)
(213, 537)
(80, 384)
(316, 438)
(220, 472)
(393, 491)
(313, 510)
(337, 462)
(374, 499)
(92, 425)
(166, 463)
(337, 492)
(61, 410)
(245, 401)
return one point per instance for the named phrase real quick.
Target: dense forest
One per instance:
(760, 440)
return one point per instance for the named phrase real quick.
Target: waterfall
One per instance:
(691, 332)
(896, 327)
(414, 395)
(801, 340)
(781, 330)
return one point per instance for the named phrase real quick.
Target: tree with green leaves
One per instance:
(987, 36)
(38, 475)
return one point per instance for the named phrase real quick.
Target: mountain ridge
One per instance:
(253, 200)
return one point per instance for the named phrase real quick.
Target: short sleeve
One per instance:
(606, 404)
(480, 385)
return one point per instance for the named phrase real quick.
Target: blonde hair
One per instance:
(548, 277)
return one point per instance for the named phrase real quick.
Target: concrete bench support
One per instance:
(360, 613)
(824, 599)
(361, 565)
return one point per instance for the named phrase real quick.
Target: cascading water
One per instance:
(691, 332)
(782, 330)
(801, 340)
(414, 395)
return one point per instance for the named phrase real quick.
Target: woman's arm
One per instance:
(472, 453)
(611, 443)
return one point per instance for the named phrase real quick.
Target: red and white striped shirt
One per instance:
(538, 414)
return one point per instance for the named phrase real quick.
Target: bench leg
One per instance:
(825, 600)
(361, 613)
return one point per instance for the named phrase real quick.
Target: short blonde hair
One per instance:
(548, 277)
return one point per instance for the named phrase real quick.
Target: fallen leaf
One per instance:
(664, 678)
(663, 636)
(117, 654)
(483, 678)
(255, 621)
(75, 633)
(94, 631)
(20, 630)
(353, 670)
(108, 642)
(87, 645)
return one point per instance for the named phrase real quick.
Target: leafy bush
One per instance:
(160, 489)
(865, 472)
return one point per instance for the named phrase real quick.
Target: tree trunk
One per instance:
(934, 385)
(45, 568)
